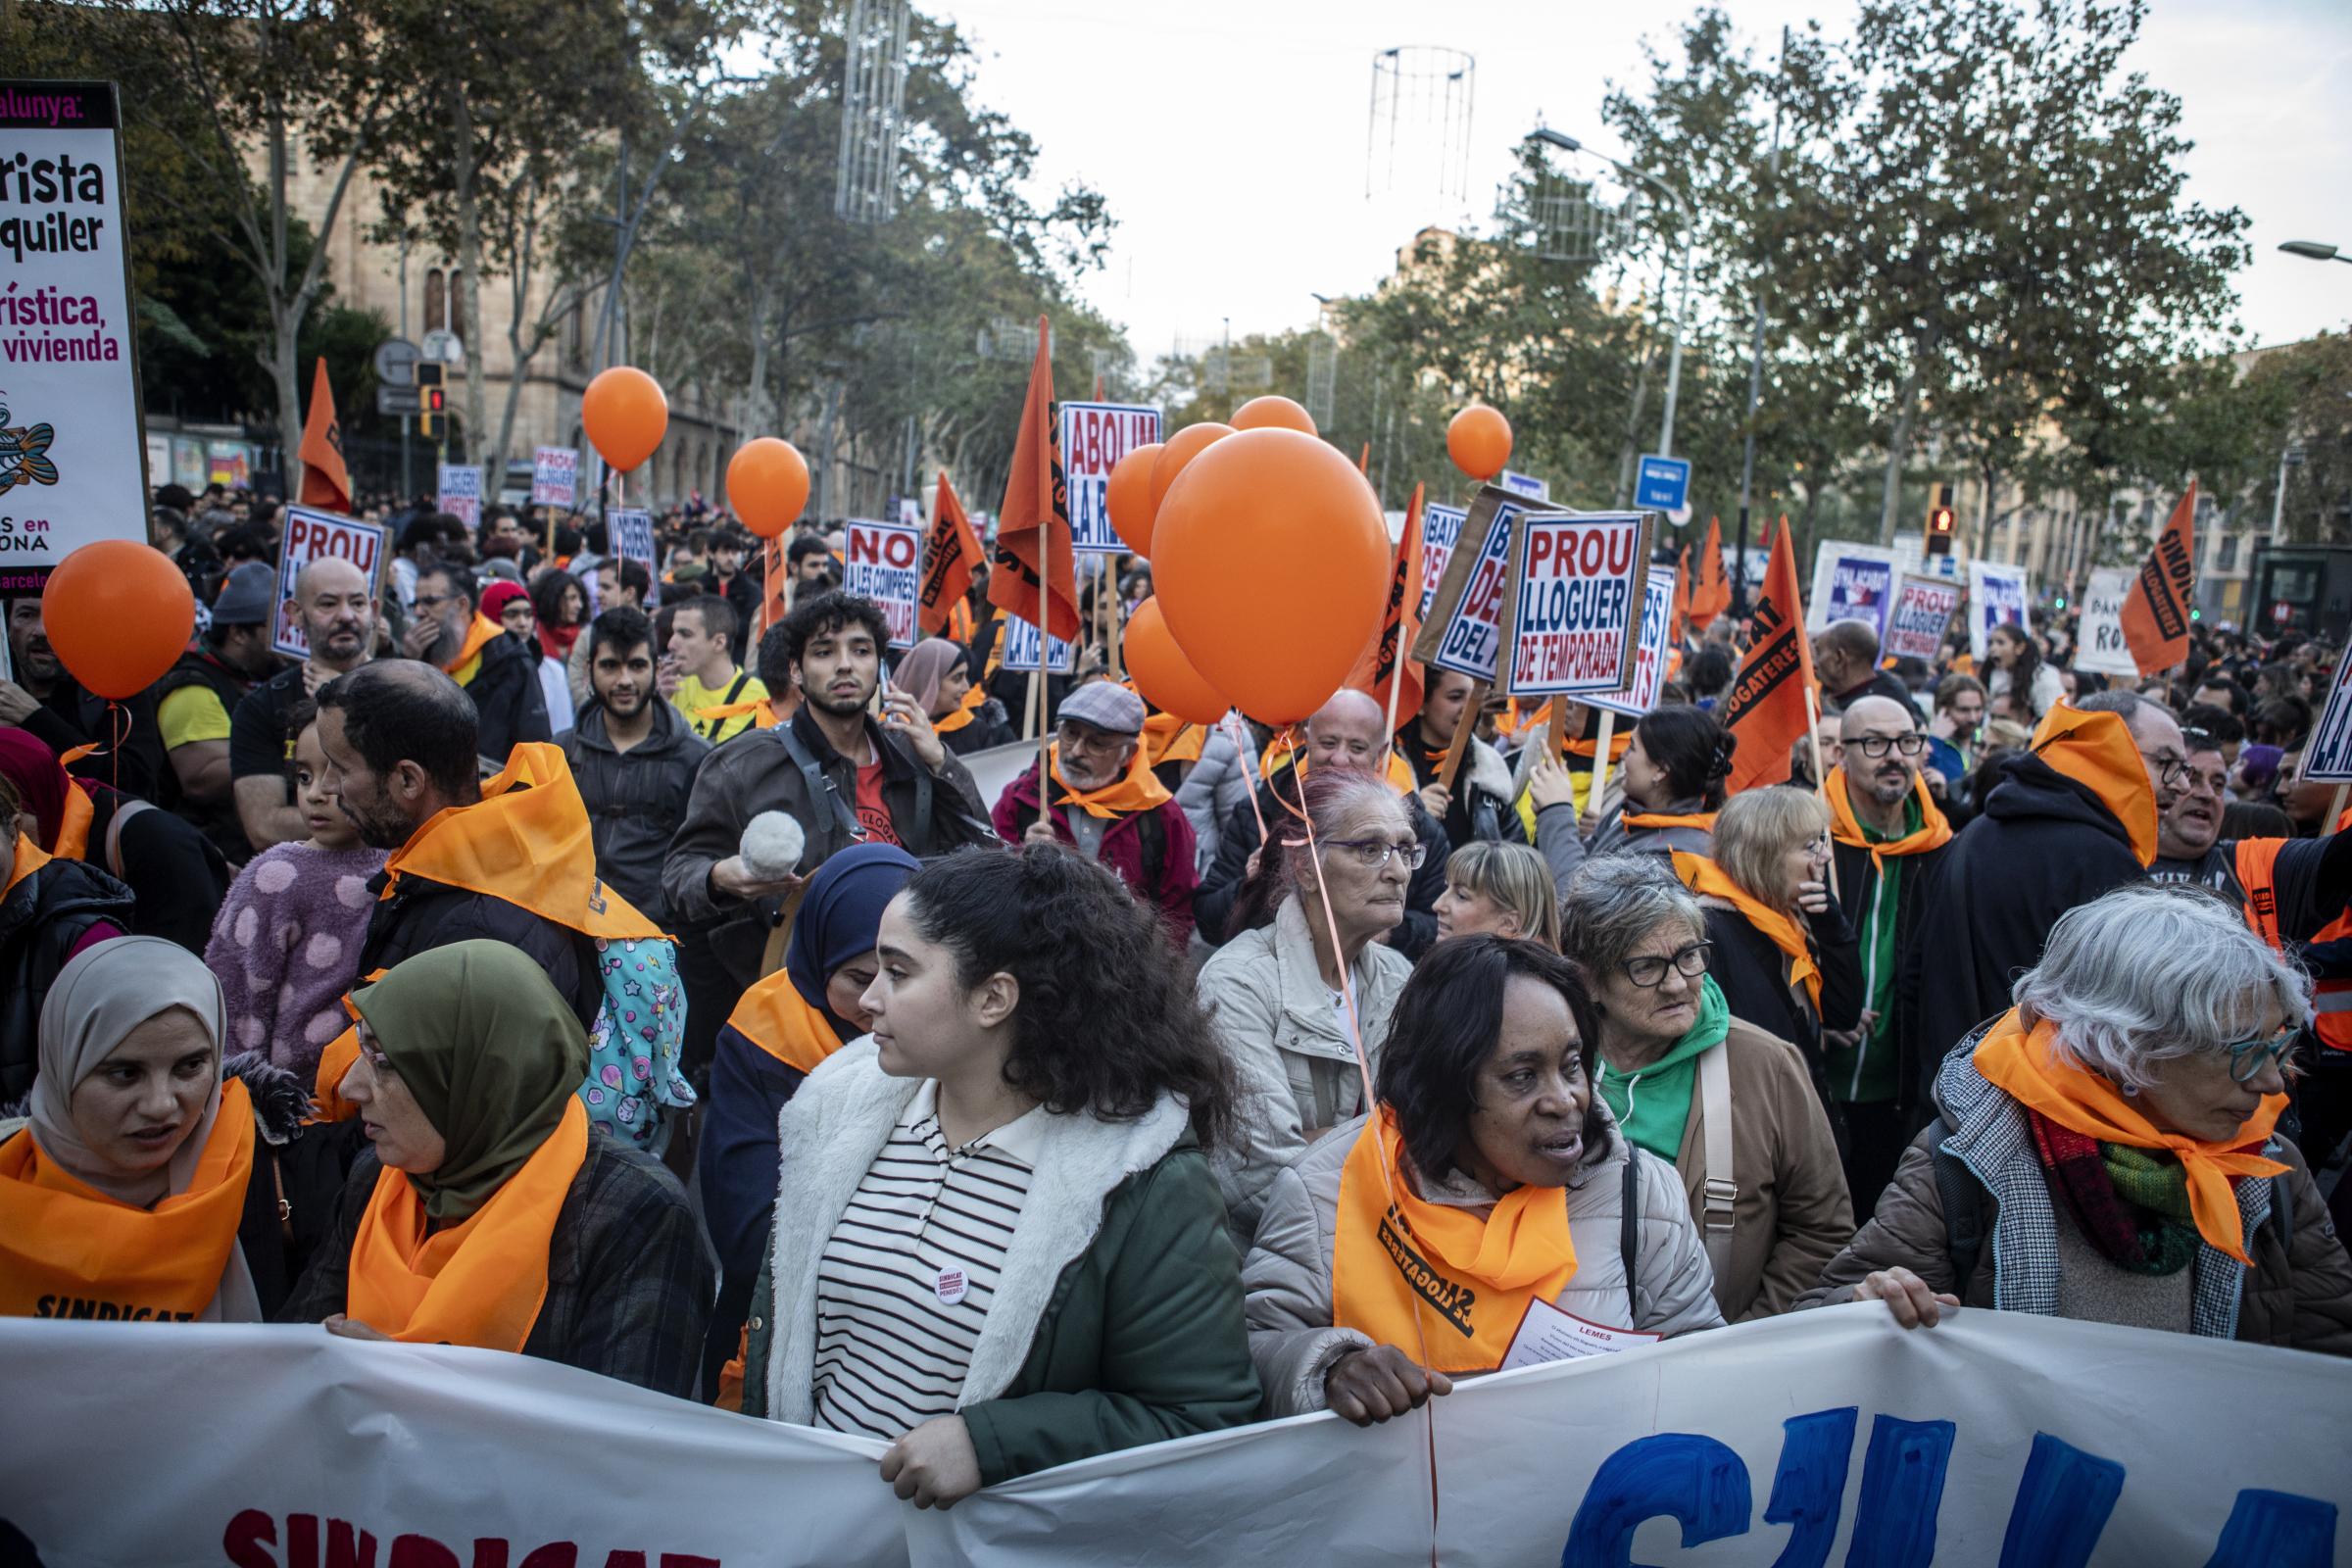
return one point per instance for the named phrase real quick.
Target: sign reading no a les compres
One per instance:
(1094, 436)
(883, 565)
(1575, 603)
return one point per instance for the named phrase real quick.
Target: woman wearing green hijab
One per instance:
(489, 1212)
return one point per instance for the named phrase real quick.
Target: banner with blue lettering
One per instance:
(1652, 653)
(1572, 607)
(1851, 583)
(1997, 597)
(1094, 436)
(1461, 629)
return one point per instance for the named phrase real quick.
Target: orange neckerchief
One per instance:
(763, 711)
(73, 827)
(1588, 750)
(1705, 878)
(2096, 750)
(1399, 773)
(774, 1016)
(1649, 820)
(436, 1289)
(61, 1243)
(30, 858)
(462, 668)
(1169, 739)
(2027, 1068)
(966, 711)
(1933, 833)
(1467, 1280)
(1139, 791)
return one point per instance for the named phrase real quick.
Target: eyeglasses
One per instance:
(1649, 970)
(1875, 745)
(2172, 771)
(1374, 853)
(2247, 1057)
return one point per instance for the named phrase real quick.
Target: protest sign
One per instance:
(2328, 758)
(1094, 436)
(461, 492)
(1525, 484)
(882, 563)
(1996, 596)
(1464, 629)
(555, 477)
(1851, 583)
(313, 535)
(632, 531)
(2100, 646)
(1921, 614)
(1572, 612)
(1641, 692)
(73, 455)
(1440, 530)
(1020, 649)
(1821, 1437)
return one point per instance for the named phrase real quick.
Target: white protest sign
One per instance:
(632, 532)
(1996, 596)
(1922, 613)
(1463, 630)
(73, 455)
(2327, 755)
(1545, 1335)
(1525, 484)
(313, 536)
(1440, 530)
(883, 565)
(1651, 655)
(1850, 583)
(555, 477)
(1094, 436)
(1020, 649)
(2100, 648)
(460, 492)
(1574, 603)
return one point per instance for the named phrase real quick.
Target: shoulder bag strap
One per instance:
(127, 807)
(1629, 1229)
(1718, 1192)
(820, 788)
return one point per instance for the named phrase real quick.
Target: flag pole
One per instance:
(1037, 680)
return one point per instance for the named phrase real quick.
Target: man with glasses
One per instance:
(1108, 805)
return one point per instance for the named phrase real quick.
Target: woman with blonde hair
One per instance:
(1503, 890)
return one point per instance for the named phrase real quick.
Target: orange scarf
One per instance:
(30, 858)
(436, 1289)
(1646, 819)
(1428, 1276)
(761, 708)
(1705, 878)
(67, 1250)
(966, 711)
(1169, 739)
(467, 663)
(1399, 772)
(2096, 750)
(2028, 1069)
(1139, 791)
(1933, 833)
(774, 1016)
(1585, 751)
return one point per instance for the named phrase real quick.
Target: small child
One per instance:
(288, 935)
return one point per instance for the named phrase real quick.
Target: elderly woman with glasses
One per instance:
(2105, 1150)
(1726, 1104)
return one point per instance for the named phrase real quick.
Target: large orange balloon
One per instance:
(1272, 563)
(1129, 497)
(1273, 414)
(118, 614)
(1181, 448)
(1479, 440)
(625, 416)
(1165, 677)
(767, 486)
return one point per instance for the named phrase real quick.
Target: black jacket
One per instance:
(1882, 683)
(1857, 887)
(1753, 975)
(636, 799)
(297, 1164)
(70, 716)
(1221, 884)
(989, 728)
(217, 820)
(41, 918)
(507, 701)
(177, 874)
(422, 916)
(741, 594)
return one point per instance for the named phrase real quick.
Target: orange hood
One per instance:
(2096, 750)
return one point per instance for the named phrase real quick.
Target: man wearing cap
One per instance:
(1108, 805)
(196, 696)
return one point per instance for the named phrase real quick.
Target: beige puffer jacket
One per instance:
(1288, 1273)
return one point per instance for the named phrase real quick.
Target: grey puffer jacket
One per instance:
(1217, 786)
(1287, 1274)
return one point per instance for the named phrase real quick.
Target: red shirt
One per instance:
(872, 815)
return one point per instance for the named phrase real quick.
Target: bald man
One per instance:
(334, 606)
(1348, 732)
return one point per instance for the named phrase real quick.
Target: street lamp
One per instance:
(2313, 250)
(1674, 362)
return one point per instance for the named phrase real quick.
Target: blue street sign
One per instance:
(1664, 484)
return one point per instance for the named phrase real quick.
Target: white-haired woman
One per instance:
(2107, 1146)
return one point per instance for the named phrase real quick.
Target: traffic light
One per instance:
(1939, 523)
(431, 399)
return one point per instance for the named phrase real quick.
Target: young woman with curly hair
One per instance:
(998, 1244)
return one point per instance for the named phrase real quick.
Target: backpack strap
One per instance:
(126, 806)
(1718, 1191)
(1957, 1189)
(820, 788)
(1628, 1228)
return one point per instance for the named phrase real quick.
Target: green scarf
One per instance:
(490, 1051)
(2156, 1183)
(1653, 1103)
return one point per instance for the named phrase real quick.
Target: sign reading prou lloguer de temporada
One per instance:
(1572, 609)
(73, 456)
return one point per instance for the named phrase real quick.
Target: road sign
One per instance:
(1664, 483)
(396, 362)
(443, 348)
(391, 399)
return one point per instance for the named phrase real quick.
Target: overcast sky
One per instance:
(1229, 135)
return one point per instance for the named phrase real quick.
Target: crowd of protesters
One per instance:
(625, 966)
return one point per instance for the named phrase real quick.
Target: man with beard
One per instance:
(842, 775)
(728, 580)
(337, 614)
(633, 758)
(474, 650)
(1886, 834)
(2290, 888)
(195, 697)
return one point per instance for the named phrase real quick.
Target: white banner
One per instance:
(1652, 653)
(2328, 758)
(313, 535)
(461, 492)
(1996, 596)
(1921, 614)
(1020, 649)
(1850, 583)
(2101, 647)
(1826, 1437)
(1094, 436)
(882, 564)
(555, 477)
(1440, 530)
(1574, 603)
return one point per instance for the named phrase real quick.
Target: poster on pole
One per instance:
(73, 450)
(1441, 529)
(2100, 648)
(1020, 650)
(1921, 616)
(1997, 597)
(1652, 653)
(1463, 629)
(2328, 757)
(555, 476)
(1094, 436)
(1525, 484)
(632, 530)
(459, 493)
(1850, 583)
(313, 535)
(883, 563)
(1572, 612)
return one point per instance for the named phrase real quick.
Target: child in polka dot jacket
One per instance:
(289, 932)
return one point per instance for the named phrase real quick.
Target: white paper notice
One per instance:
(1547, 1334)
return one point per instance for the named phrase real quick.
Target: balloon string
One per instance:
(1243, 748)
(119, 726)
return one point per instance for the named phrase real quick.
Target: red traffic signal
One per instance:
(1939, 520)
(434, 399)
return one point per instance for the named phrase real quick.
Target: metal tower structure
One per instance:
(874, 112)
(1322, 378)
(1418, 141)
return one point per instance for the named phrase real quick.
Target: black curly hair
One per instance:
(1107, 1020)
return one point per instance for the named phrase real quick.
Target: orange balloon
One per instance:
(1165, 677)
(767, 486)
(1479, 440)
(625, 416)
(1129, 498)
(119, 614)
(1181, 448)
(1273, 414)
(1272, 565)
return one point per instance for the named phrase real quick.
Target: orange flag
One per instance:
(1681, 600)
(1399, 625)
(1766, 709)
(2155, 614)
(1036, 575)
(326, 482)
(1363, 465)
(950, 554)
(776, 582)
(1711, 595)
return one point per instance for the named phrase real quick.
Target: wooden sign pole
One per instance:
(1599, 788)
(1463, 733)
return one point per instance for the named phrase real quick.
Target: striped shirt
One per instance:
(911, 1268)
